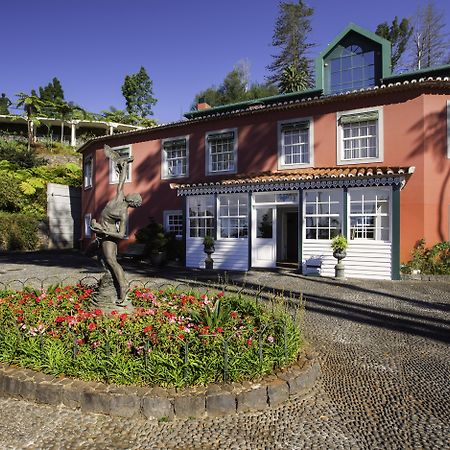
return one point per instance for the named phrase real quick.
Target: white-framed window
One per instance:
(113, 172)
(201, 215)
(88, 172)
(87, 225)
(173, 222)
(295, 143)
(175, 157)
(323, 211)
(369, 214)
(233, 216)
(221, 151)
(360, 136)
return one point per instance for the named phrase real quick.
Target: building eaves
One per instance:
(285, 102)
(434, 72)
(320, 173)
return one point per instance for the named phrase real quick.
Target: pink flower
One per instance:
(270, 339)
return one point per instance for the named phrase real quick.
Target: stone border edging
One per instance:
(424, 277)
(157, 403)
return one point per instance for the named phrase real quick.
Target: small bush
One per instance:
(430, 261)
(18, 232)
(17, 153)
(172, 339)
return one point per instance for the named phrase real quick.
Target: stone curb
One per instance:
(155, 403)
(424, 277)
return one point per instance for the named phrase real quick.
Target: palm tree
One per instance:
(66, 111)
(293, 80)
(32, 105)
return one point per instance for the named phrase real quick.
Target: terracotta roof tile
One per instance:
(301, 174)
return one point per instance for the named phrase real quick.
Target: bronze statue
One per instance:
(109, 231)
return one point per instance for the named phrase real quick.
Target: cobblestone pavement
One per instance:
(384, 350)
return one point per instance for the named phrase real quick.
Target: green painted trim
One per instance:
(260, 101)
(300, 231)
(385, 44)
(345, 212)
(184, 212)
(216, 207)
(249, 227)
(351, 27)
(395, 255)
(437, 71)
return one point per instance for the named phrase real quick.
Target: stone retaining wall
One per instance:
(156, 403)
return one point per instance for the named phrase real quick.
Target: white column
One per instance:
(112, 126)
(73, 132)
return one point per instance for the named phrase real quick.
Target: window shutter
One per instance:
(228, 135)
(294, 126)
(361, 117)
(174, 143)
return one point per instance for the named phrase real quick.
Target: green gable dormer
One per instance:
(356, 59)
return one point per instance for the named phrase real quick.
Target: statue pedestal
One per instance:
(106, 297)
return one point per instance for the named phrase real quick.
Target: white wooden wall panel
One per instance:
(230, 254)
(64, 215)
(364, 259)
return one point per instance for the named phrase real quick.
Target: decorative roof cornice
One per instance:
(284, 102)
(318, 178)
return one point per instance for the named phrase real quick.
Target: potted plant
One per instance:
(339, 245)
(155, 241)
(208, 248)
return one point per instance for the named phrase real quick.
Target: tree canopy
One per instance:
(398, 34)
(138, 92)
(290, 36)
(235, 88)
(430, 42)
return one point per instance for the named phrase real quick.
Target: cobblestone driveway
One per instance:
(384, 349)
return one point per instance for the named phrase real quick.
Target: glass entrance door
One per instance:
(264, 237)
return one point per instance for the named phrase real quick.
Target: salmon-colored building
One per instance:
(365, 153)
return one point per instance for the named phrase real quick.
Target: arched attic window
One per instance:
(350, 67)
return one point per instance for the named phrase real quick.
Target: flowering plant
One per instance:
(171, 339)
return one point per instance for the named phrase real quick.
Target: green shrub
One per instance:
(17, 153)
(430, 261)
(18, 232)
(168, 340)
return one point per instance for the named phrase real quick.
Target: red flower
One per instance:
(220, 294)
(249, 342)
(148, 329)
(92, 326)
(60, 319)
(80, 341)
(19, 319)
(98, 312)
(123, 316)
(220, 330)
(181, 336)
(234, 314)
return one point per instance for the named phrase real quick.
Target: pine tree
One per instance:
(138, 92)
(430, 41)
(291, 32)
(398, 34)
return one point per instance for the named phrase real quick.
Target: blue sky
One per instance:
(186, 46)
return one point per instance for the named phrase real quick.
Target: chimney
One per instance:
(202, 105)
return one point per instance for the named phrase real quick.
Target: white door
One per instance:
(264, 237)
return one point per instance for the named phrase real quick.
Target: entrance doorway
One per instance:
(289, 236)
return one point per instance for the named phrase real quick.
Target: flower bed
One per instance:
(172, 339)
